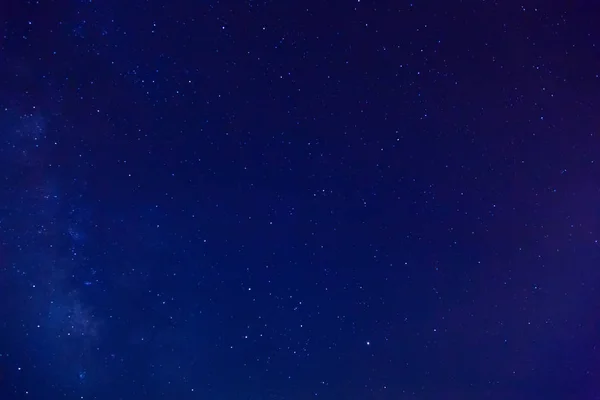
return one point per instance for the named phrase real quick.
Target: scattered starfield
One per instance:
(299, 200)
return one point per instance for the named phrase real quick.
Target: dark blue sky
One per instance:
(299, 200)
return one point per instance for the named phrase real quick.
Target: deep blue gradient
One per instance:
(286, 200)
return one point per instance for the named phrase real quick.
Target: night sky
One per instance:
(279, 200)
